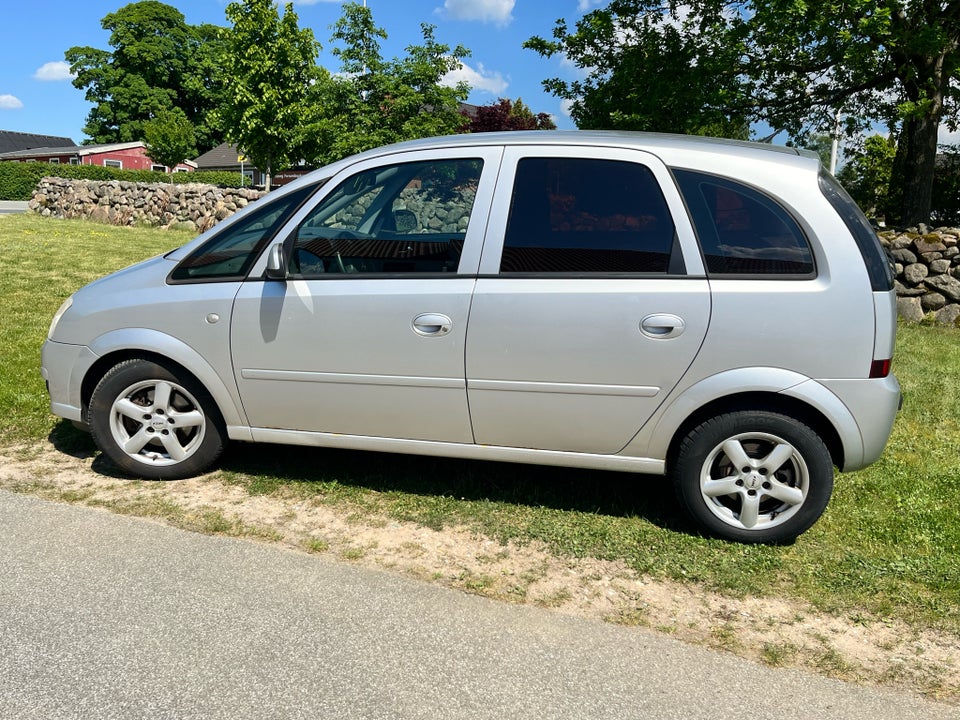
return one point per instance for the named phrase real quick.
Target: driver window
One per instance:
(396, 219)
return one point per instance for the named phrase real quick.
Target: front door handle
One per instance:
(432, 324)
(661, 326)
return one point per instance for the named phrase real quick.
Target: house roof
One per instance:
(11, 141)
(79, 150)
(223, 155)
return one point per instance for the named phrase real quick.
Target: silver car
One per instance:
(717, 312)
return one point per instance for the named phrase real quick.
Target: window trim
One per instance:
(110, 162)
(258, 249)
(685, 241)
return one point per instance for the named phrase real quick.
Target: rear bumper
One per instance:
(874, 405)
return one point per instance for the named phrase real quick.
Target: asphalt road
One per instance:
(12, 206)
(103, 616)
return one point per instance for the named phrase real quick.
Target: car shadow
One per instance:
(614, 494)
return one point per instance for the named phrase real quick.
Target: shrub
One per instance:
(18, 180)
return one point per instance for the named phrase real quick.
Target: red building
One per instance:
(126, 156)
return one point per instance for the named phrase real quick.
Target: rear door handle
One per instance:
(662, 326)
(432, 324)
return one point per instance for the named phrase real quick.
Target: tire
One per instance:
(754, 477)
(155, 422)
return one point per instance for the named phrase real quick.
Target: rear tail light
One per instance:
(880, 368)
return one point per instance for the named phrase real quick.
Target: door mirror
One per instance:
(405, 221)
(276, 263)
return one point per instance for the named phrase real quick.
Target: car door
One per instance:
(366, 334)
(591, 302)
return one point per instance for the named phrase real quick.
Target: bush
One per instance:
(18, 180)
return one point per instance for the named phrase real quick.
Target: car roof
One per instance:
(599, 138)
(669, 148)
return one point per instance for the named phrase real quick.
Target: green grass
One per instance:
(888, 545)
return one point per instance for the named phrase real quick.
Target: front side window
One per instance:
(585, 215)
(742, 231)
(407, 218)
(229, 254)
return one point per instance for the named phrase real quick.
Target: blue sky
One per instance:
(36, 94)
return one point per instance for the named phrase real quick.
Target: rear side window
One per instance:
(583, 215)
(743, 232)
(878, 265)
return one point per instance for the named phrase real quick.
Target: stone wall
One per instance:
(190, 206)
(927, 264)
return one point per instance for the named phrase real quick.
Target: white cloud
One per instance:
(53, 71)
(9, 102)
(946, 137)
(565, 106)
(585, 5)
(479, 79)
(496, 11)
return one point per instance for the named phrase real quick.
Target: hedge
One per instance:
(18, 180)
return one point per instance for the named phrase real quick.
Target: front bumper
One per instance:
(63, 367)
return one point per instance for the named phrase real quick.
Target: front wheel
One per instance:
(155, 422)
(755, 477)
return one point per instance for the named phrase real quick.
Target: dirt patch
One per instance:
(773, 631)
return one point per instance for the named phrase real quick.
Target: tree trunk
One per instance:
(912, 180)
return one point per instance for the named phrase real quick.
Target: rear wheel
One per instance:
(155, 422)
(754, 476)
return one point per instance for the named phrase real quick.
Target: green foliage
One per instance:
(866, 175)
(271, 79)
(374, 101)
(651, 69)
(158, 63)
(18, 180)
(170, 138)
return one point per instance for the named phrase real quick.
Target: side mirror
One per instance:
(276, 263)
(405, 221)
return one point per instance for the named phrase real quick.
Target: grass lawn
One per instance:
(888, 545)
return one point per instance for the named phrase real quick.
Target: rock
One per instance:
(949, 315)
(929, 243)
(939, 267)
(946, 285)
(909, 309)
(903, 255)
(915, 273)
(932, 301)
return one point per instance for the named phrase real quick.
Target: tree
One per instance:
(158, 63)
(170, 138)
(794, 65)
(271, 73)
(507, 115)
(866, 175)
(373, 101)
(648, 68)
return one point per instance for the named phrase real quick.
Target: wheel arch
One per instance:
(761, 401)
(760, 388)
(116, 347)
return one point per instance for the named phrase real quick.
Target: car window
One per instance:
(585, 215)
(229, 254)
(741, 230)
(396, 219)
